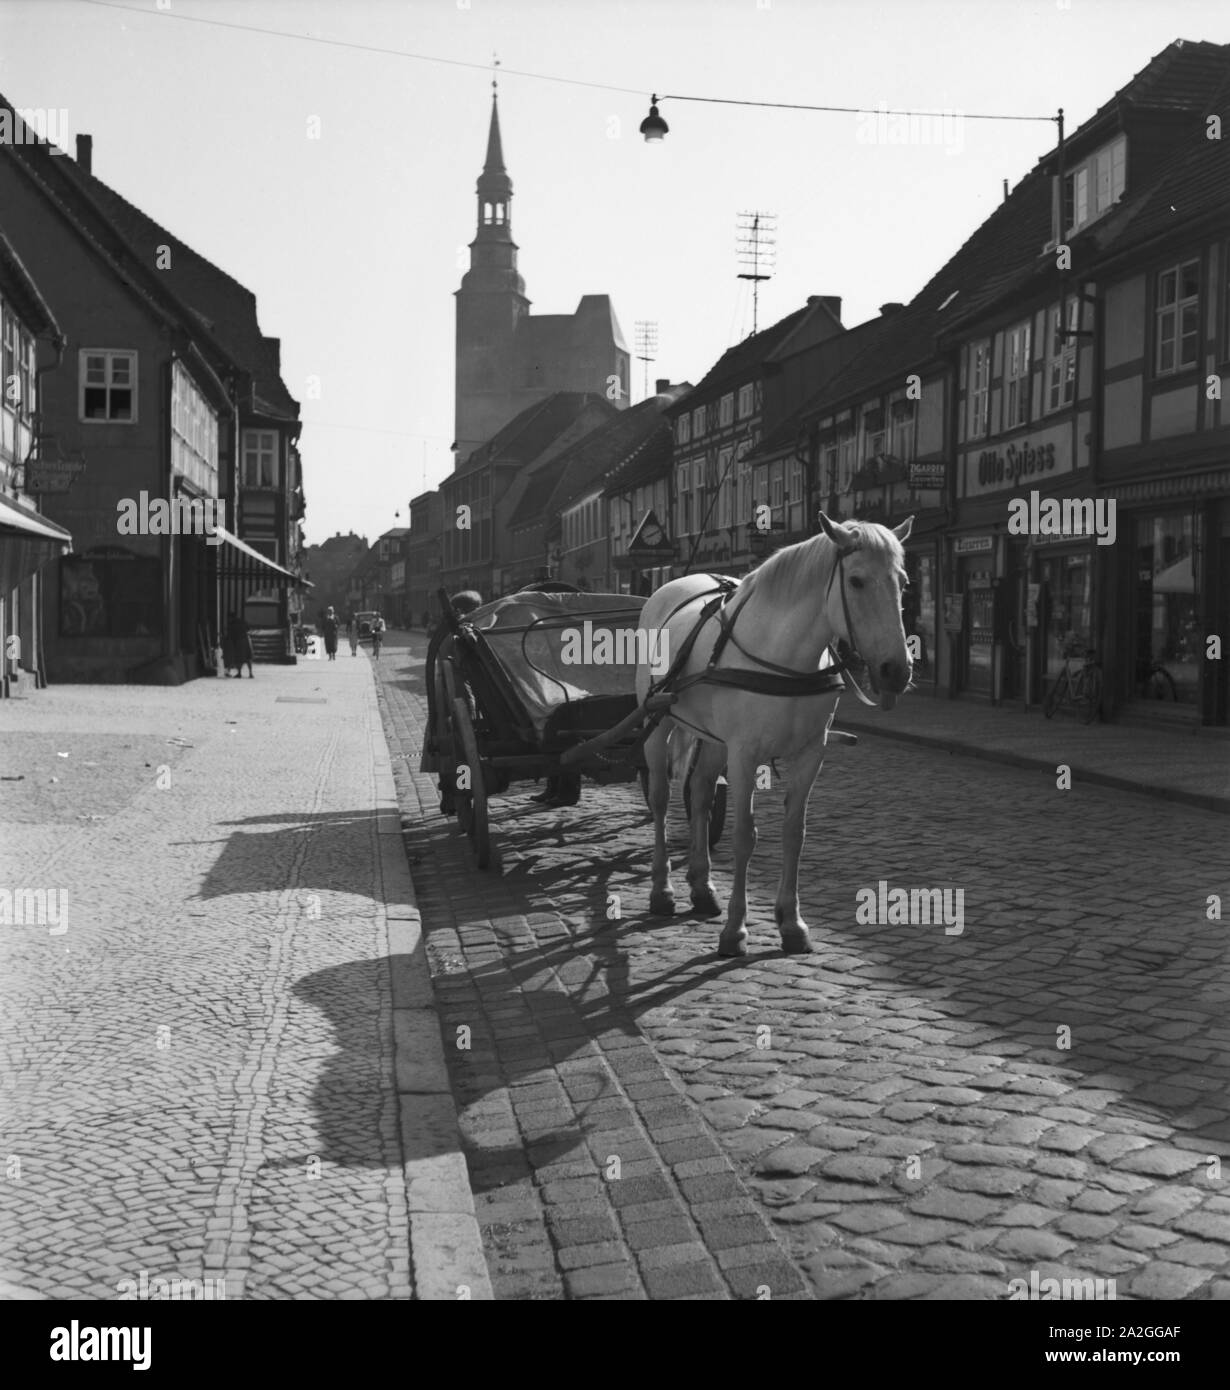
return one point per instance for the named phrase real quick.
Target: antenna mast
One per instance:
(757, 251)
(646, 345)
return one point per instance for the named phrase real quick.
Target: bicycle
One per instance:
(1157, 683)
(1083, 687)
(377, 639)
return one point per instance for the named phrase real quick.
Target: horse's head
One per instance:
(863, 602)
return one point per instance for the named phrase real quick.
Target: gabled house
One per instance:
(574, 521)
(638, 491)
(718, 425)
(173, 399)
(479, 550)
(1087, 352)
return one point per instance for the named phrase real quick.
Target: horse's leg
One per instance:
(741, 785)
(804, 770)
(710, 760)
(662, 895)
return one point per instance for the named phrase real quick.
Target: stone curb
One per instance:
(1202, 802)
(446, 1247)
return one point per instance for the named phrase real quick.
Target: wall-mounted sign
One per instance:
(928, 475)
(954, 611)
(1042, 455)
(973, 545)
(52, 475)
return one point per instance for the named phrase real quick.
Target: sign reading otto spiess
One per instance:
(1032, 460)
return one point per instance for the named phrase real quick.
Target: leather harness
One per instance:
(774, 679)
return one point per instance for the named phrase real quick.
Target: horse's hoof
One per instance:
(704, 904)
(797, 943)
(662, 904)
(732, 946)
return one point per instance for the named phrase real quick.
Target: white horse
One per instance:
(845, 583)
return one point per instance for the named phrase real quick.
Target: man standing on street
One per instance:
(329, 628)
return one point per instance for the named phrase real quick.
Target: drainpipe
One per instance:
(59, 344)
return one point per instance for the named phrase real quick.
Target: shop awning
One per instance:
(28, 541)
(244, 560)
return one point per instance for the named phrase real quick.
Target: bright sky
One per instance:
(355, 242)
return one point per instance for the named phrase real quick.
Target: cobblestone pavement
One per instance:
(907, 1113)
(199, 1073)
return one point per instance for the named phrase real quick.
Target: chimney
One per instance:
(832, 303)
(662, 385)
(1005, 190)
(892, 308)
(85, 152)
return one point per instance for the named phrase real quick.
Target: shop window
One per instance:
(1068, 586)
(107, 383)
(918, 612)
(1168, 645)
(110, 594)
(1177, 317)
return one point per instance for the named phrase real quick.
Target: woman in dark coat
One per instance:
(330, 628)
(237, 649)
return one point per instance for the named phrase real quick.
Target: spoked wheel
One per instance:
(469, 803)
(1092, 694)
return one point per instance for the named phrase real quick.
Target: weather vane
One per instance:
(495, 63)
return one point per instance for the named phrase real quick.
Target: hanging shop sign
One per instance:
(928, 475)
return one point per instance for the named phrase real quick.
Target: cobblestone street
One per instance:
(908, 1113)
(199, 1070)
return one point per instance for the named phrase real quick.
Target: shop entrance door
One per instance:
(980, 646)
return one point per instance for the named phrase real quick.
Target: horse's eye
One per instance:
(855, 582)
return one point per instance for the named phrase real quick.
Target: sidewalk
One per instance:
(227, 1067)
(1188, 767)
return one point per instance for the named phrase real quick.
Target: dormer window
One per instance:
(1095, 185)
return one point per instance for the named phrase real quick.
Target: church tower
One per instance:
(490, 304)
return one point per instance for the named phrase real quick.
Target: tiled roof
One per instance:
(207, 296)
(619, 441)
(1003, 256)
(528, 434)
(646, 466)
(33, 306)
(742, 359)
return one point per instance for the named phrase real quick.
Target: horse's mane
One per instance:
(804, 567)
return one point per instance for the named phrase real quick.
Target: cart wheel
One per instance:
(717, 812)
(472, 804)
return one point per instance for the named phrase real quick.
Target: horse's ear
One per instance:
(902, 532)
(839, 534)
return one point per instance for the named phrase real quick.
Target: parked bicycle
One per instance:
(1081, 686)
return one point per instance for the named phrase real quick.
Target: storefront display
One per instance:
(1168, 647)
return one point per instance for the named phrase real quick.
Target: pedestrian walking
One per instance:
(352, 631)
(377, 635)
(237, 647)
(329, 628)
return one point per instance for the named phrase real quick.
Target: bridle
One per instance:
(783, 680)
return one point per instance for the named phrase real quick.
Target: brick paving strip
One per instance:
(595, 1175)
(892, 1116)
